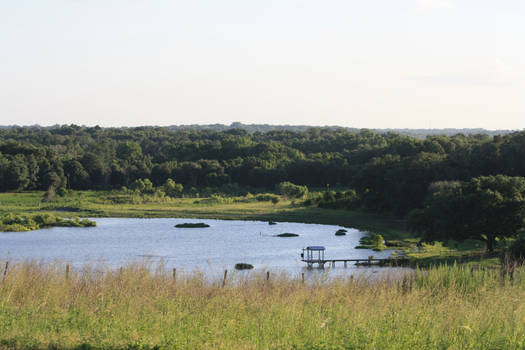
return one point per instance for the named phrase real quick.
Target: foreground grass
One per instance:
(441, 308)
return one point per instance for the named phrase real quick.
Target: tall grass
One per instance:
(134, 307)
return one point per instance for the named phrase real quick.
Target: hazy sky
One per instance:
(374, 63)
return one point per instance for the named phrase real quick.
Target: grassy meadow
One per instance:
(450, 307)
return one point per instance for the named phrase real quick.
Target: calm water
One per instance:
(116, 242)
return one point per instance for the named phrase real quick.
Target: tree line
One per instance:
(387, 171)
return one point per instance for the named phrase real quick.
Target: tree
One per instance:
(17, 174)
(290, 190)
(130, 151)
(77, 176)
(173, 189)
(143, 186)
(484, 208)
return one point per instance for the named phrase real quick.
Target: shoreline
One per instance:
(94, 204)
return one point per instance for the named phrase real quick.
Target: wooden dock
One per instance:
(312, 255)
(359, 262)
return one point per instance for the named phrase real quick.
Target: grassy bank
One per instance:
(442, 308)
(109, 204)
(102, 204)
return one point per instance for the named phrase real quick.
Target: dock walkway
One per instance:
(360, 262)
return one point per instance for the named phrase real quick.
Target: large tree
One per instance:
(484, 208)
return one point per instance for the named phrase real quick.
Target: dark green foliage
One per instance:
(516, 250)
(267, 197)
(484, 208)
(129, 151)
(173, 189)
(337, 200)
(374, 241)
(287, 234)
(142, 186)
(272, 223)
(341, 232)
(290, 190)
(192, 225)
(387, 171)
(243, 266)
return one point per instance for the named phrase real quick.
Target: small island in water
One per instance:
(24, 223)
(192, 225)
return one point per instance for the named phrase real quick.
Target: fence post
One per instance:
(302, 277)
(67, 272)
(174, 275)
(267, 275)
(6, 268)
(224, 279)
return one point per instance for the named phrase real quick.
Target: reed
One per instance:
(140, 307)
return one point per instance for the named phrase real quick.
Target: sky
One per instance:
(365, 64)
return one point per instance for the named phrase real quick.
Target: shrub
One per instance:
(266, 197)
(291, 190)
(15, 228)
(516, 250)
(142, 186)
(375, 242)
(172, 188)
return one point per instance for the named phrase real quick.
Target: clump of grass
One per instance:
(192, 225)
(272, 223)
(287, 234)
(341, 232)
(143, 308)
(374, 241)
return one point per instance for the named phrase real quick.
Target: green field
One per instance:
(133, 308)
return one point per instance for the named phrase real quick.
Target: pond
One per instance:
(119, 241)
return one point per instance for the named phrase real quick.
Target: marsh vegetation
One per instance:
(23, 223)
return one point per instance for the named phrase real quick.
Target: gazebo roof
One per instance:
(315, 247)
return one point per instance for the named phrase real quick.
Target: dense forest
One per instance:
(375, 171)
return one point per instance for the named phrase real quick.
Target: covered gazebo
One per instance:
(313, 254)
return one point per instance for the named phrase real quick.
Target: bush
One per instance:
(375, 242)
(516, 250)
(266, 197)
(214, 199)
(14, 228)
(143, 186)
(338, 200)
(173, 189)
(61, 191)
(290, 190)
